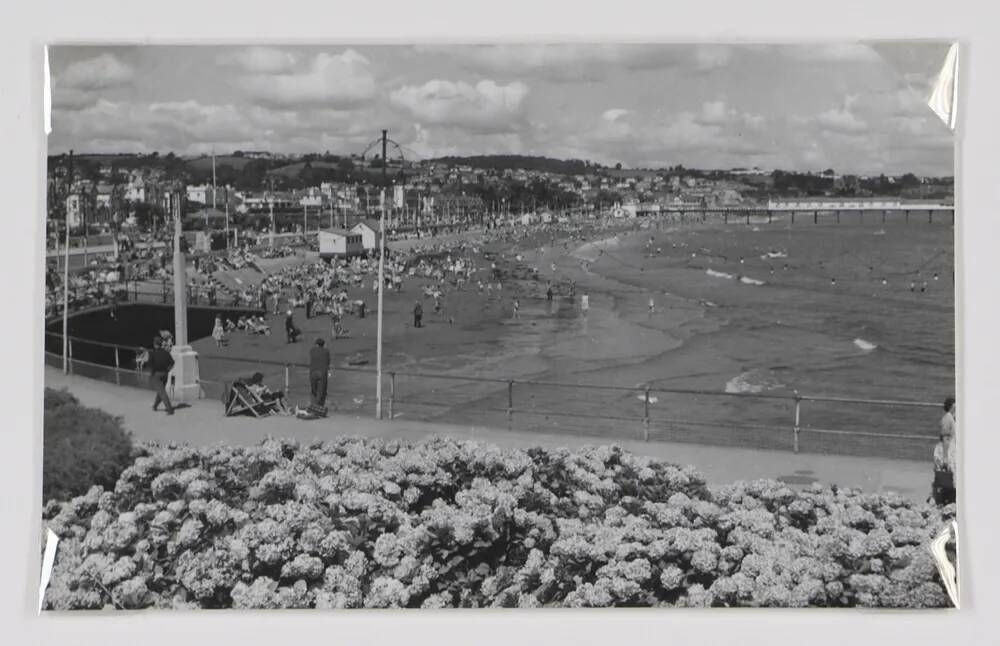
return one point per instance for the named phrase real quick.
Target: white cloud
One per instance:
(332, 80)
(190, 126)
(689, 137)
(840, 120)
(584, 61)
(614, 114)
(262, 60)
(100, 72)
(717, 113)
(485, 107)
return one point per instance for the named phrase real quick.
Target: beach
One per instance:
(738, 309)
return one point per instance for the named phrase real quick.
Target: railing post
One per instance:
(510, 402)
(286, 379)
(392, 392)
(118, 377)
(645, 416)
(795, 429)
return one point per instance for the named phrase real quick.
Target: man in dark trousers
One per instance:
(292, 332)
(319, 366)
(160, 363)
(418, 314)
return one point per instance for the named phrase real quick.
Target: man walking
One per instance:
(418, 314)
(160, 363)
(319, 366)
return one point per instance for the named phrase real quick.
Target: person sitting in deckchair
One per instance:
(255, 384)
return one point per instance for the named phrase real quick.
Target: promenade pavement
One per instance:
(203, 423)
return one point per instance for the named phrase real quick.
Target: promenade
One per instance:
(203, 423)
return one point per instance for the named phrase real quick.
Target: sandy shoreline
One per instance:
(707, 333)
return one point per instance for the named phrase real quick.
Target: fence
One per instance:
(797, 422)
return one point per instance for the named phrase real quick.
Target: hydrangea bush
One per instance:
(441, 523)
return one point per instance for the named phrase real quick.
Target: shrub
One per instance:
(83, 447)
(442, 523)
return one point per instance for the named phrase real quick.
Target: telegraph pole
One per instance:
(66, 301)
(381, 286)
(227, 216)
(270, 202)
(213, 182)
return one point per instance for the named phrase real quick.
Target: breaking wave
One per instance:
(752, 381)
(864, 346)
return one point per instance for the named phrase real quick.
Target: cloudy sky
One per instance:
(853, 107)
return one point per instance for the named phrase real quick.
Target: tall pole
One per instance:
(180, 275)
(270, 202)
(66, 301)
(213, 182)
(381, 289)
(227, 216)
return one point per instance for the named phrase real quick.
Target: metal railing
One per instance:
(758, 420)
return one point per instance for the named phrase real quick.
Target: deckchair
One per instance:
(240, 401)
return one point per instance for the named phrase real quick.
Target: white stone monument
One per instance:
(184, 376)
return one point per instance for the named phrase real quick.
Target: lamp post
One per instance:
(381, 289)
(65, 299)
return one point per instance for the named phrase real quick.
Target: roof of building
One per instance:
(368, 222)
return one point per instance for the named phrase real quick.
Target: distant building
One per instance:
(76, 210)
(368, 233)
(338, 243)
(627, 210)
(315, 200)
(142, 190)
(201, 194)
(105, 195)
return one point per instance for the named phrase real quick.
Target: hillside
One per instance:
(205, 163)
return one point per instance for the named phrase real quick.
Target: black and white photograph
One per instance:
(513, 325)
